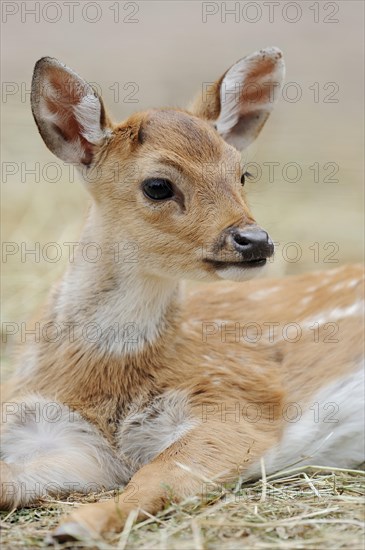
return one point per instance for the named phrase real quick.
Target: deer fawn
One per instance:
(180, 396)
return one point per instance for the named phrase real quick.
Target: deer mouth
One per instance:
(258, 262)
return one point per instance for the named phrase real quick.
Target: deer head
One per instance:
(169, 180)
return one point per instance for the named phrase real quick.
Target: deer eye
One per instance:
(243, 178)
(157, 189)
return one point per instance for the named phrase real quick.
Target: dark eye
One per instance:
(157, 189)
(243, 178)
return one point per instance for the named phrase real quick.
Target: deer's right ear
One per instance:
(240, 102)
(69, 114)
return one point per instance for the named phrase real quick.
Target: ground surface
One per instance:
(310, 509)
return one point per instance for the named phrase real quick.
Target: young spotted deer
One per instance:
(167, 392)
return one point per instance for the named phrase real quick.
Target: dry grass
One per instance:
(310, 508)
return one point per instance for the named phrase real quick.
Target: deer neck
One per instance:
(109, 298)
(118, 324)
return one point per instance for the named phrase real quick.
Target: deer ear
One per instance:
(69, 114)
(240, 102)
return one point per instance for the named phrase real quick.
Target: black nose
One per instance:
(253, 243)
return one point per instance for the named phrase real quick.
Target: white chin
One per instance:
(239, 274)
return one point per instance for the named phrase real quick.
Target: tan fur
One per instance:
(173, 362)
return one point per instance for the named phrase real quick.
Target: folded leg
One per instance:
(47, 449)
(185, 468)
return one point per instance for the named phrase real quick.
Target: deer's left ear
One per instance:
(240, 102)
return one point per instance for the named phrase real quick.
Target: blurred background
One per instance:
(308, 161)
